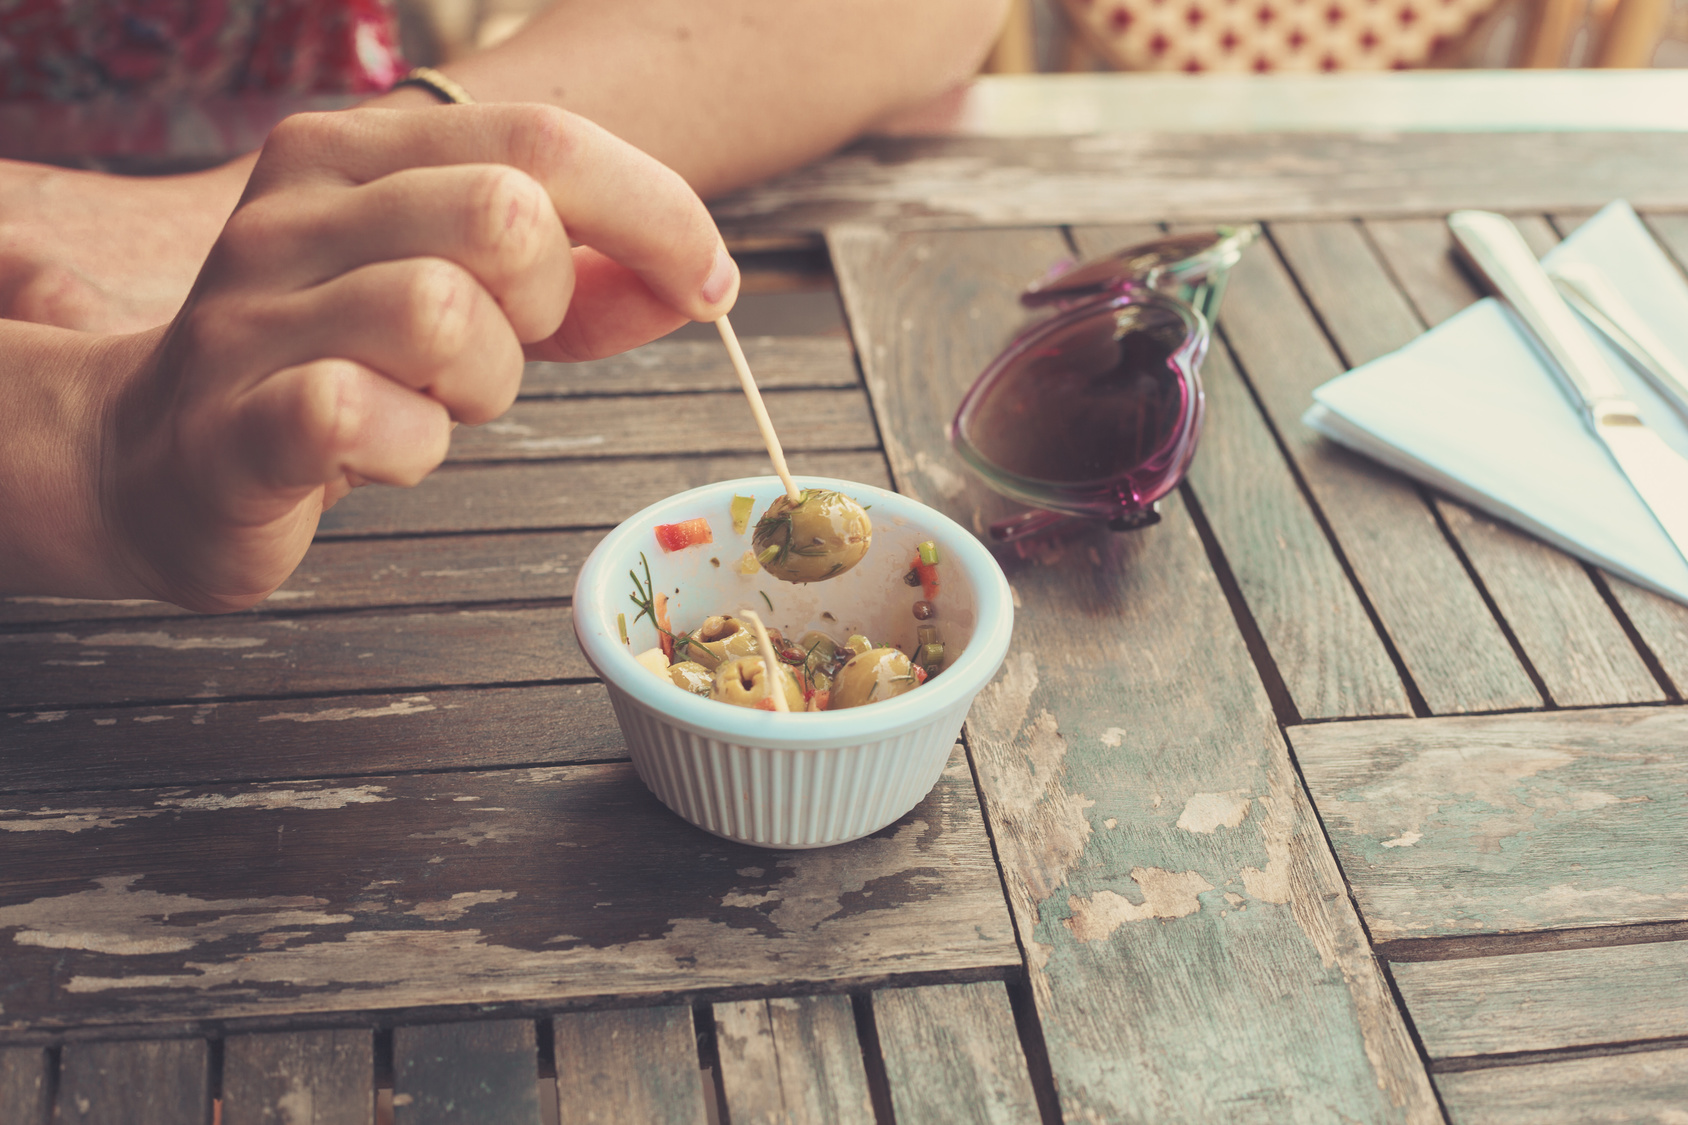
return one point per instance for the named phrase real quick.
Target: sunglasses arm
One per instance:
(1037, 524)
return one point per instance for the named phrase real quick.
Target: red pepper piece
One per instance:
(686, 533)
(928, 577)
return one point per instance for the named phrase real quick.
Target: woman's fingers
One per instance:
(610, 195)
(424, 322)
(613, 310)
(495, 221)
(329, 422)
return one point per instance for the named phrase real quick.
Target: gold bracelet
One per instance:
(437, 84)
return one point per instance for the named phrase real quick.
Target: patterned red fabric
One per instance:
(72, 50)
(1269, 35)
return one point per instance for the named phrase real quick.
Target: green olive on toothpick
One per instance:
(820, 536)
(806, 535)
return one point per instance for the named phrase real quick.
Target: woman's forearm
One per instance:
(730, 92)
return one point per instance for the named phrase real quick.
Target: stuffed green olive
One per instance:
(820, 537)
(872, 677)
(744, 683)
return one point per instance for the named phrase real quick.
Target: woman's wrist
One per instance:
(54, 537)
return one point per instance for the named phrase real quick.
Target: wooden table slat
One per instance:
(638, 1064)
(368, 573)
(1180, 911)
(1153, 177)
(1548, 1001)
(138, 1082)
(671, 366)
(446, 1074)
(1561, 619)
(1640, 1086)
(517, 886)
(1325, 648)
(209, 658)
(718, 423)
(1496, 824)
(952, 1054)
(23, 1085)
(794, 1059)
(561, 494)
(1662, 625)
(334, 736)
(299, 1078)
(1452, 647)
(1558, 615)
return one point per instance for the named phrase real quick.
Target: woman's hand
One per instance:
(379, 282)
(103, 253)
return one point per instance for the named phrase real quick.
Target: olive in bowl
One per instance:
(807, 778)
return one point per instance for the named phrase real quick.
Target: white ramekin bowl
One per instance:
(793, 780)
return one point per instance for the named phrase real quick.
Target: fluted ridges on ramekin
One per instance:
(785, 798)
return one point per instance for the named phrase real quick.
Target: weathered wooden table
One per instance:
(1325, 799)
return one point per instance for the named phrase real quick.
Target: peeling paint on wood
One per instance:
(430, 898)
(1128, 692)
(1506, 823)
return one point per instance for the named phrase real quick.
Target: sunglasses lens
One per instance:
(1093, 412)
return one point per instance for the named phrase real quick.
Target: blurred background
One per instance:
(1055, 36)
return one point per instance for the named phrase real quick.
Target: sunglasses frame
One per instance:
(1182, 275)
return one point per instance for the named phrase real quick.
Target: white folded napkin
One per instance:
(1472, 409)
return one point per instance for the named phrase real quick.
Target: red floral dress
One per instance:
(184, 50)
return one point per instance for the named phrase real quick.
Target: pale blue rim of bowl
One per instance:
(603, 582)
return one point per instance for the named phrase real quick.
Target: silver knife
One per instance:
(1657, 472)
(1597, 300)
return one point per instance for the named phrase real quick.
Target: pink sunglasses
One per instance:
(1093, 413)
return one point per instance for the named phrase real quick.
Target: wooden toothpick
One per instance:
(770, 667)
(759, 411)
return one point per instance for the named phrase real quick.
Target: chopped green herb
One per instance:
(929, 553)
(621, 624)
(765, 600)
(644, 596)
